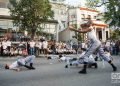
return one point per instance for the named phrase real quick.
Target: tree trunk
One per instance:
(33, 33)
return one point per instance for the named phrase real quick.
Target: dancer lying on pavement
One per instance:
(77, 61)
(27, 62)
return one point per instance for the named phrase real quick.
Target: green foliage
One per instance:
(92, 3)
(115, 34)
(29, 14)
(112, 14)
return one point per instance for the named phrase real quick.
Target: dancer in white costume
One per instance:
(95, 45)
(76, 61)
(26, 62)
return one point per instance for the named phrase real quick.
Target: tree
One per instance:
(29, 14)
(92, 3)
(115, 34)
(112, 15)
(112, 12)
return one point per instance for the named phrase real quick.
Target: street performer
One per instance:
(95, 45)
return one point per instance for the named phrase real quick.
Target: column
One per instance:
(57, 32)
(108, 32)
(102, 35)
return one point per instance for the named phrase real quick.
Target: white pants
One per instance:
(95, 47)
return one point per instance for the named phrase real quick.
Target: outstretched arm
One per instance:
(15, 69)
(84, 30)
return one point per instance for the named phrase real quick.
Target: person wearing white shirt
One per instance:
(8, 46)
(32, 47)
(95, 45)
(40, 47)
(45, 46)
(22, 62)
(4, 44)
(36, 48)
(79, 60)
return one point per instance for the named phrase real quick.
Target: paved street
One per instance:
(53, 73)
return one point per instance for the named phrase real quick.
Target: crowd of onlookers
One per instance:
(34, 47)
(43, 46)
(112, 46)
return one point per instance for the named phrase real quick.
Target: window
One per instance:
(95, 17)
(89, 17)
(83, 16)
(73, 16)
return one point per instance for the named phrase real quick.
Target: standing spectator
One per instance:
(117, 48)
(28, 48)
(107, 45)
(32, 47)
(75, 44)
(4, 45)
(8, 45)
(113, 48)
(40, 47)
(53, 47)
(36, 48)
(45, 47)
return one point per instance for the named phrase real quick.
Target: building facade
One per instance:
(64, 15)
(6, 22)
(78, 15)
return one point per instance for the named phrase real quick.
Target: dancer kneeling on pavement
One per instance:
(77, 61)
(95, 45)
(26, 61)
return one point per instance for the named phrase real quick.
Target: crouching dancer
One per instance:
(77, 61)
(25, 62)
(95, 45)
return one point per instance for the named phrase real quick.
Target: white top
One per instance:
(107, 44)
(4, 44)
(45, 44)
(32, 44)
(84, 45)
(8, 43)
(37, 44)
(63, 58)
(40, 45)
(92, 36)
(22, 61)
(13, 65)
